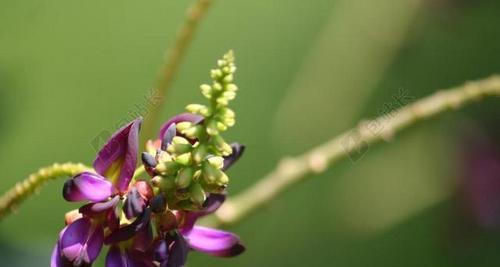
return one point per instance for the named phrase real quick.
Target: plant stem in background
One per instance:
(292, 170)
(12, 198)
(173, 59)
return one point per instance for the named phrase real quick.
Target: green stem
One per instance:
(22, 190)
(174, 57)
(292, 170)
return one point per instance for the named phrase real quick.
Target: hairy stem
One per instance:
(173, 58)
(292, 170)
(12, 198)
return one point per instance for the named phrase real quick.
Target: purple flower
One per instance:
(81, 241)
(172, 251)
(121, 215)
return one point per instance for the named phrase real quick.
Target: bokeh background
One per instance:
(308, 70)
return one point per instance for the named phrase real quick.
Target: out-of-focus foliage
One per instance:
(71, 70)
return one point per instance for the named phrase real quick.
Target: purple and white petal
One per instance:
(238, 150)
(214, 242)
(118, 158)
(81, 242)
(87, 186)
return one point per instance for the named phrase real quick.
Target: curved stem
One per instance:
(292, 170)
(12, 198)
(173, 58)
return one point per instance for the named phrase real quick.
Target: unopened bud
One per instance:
(217, 162)
(206, 90)
(158, 204)
(216, 74)
(199, 153)
(197, 194)
(184, 159)
(221, 127)
(193, 132)
(229, 78)
(231, 87)
(184, 178)
(181, 126)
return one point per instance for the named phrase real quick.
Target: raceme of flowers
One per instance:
(151, 221)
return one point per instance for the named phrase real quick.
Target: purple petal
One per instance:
(189, 117)
(214, 242)
(118, 158)
(81, 242)
(134, 204)
(238, 150)
(96, 209)
(169, 135)
(143, 239)
(178, 250)
(212, 203)
(118, 257)
(127, 232)
(161, 251)
(87, 186)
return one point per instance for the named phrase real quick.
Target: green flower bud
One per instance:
(230, 95)
(226, 112)
(231, 87)
(223, 101)
(181, 126)
(184, 178)
(167, 167)
(221, 63)
(164, 183)
(210, 173)
(229, 78)
(224, 148)
(217, 86)
(180, 140)
(217, 162)
(206, 90)
(216, 74)
(193, 132)
(198, 109)
(229, 122)
(212, 128)
(198, 195)
(179, 148)
(223, 179)
(199, 153)
(184, 159)
(221, 127)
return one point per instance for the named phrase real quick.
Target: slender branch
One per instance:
(12, 198)
(292, 170)
(174, 57)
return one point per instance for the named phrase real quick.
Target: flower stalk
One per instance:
(22, 190)
(291, 171)
(173, 58)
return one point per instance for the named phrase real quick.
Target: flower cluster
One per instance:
(151, 221)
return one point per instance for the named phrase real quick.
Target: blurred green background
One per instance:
(308, 70)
